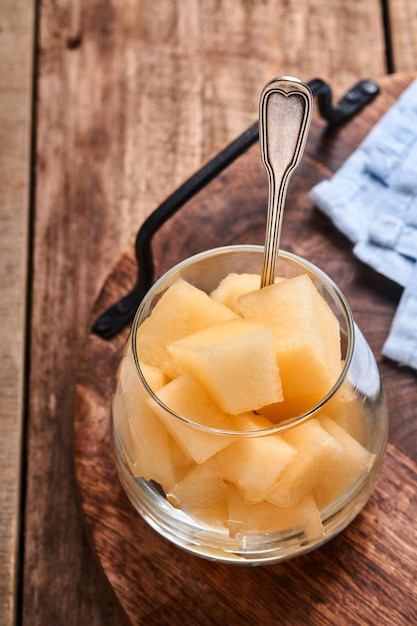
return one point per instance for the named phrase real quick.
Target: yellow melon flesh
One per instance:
(213, 517)
(183, 309)
(254, 464)
(306, 334)
(188, 398)
(233, 286)
(154, 454)
(120, 411)
(235, 362)
(219, 361)
(290, 408)
(201, 488)
(346, 408)
(266, 518)
(315, 449)
(341, 473)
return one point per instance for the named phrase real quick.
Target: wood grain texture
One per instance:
(133, 96)
(364, 576)
(402, 16)
(16, 34)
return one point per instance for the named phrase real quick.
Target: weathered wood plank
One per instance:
(402, 16)
(132, 98)
(16, 52)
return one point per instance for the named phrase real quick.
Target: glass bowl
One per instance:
(234, 493)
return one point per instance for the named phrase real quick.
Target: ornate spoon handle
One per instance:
(284, 121)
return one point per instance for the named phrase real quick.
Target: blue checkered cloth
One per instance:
(372, 199)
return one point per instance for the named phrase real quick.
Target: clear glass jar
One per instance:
(194, 505)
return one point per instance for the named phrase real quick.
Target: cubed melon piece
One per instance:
(235, 362)
(201, 488)
(233, 286)
(315, 449)
(254, 464)
(305, 330)
(341, 473)
(347, 409)
(122, 406)
(267, 518)
(183, 309)
(189, 399)
(290, 408)
(213, 517)
(154, 454)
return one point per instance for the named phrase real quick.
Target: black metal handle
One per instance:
(112, 321)
(352, 102)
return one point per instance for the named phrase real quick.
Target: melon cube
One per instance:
(213, 517)
(254, 464)
(186, 397)
(183, 309)
(305, 330)
(343, 472)
(235, 362)
(315, 447)
(266, 518)
(154, 454)
(201, 488)
(233, 286)
(290, 408)
(346, 408)
(121, 407)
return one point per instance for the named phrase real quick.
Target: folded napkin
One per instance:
(372, 199)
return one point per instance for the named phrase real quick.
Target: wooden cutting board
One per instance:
(367, 574)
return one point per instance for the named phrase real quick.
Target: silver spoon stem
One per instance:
(284, 121)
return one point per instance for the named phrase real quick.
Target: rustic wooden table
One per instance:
(105, 108)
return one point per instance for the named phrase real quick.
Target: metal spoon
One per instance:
(284, 121)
